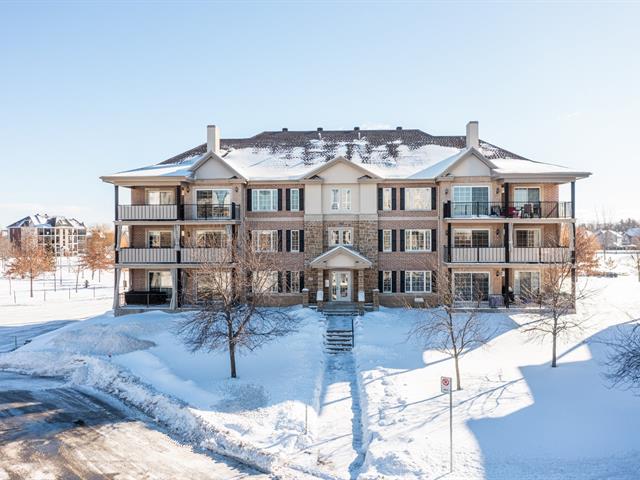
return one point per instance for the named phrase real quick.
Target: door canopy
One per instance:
(341, 257)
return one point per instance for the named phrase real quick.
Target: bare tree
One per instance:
(635, 256)
(98, 253)
(5, 250)
(557, 298)
(31, 260)
(624, 357)
(586, 247)
(453, 326)
(232, 286)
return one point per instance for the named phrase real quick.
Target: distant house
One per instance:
(609, 239)
(64, 236)
(631, 236)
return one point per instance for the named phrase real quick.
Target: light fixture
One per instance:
(497, 232)
(446, 191)
(497, 190)
(497, 273)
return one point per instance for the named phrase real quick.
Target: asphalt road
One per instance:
(49, 430)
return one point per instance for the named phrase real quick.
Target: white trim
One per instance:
(529, 229)
(159, 230)
(340, 231)
(485, 272)
(428, 244)
(429, 196)
(254, 195)
(148, 190)
(333, 279)
(390, 249)
(430, 290)
(470, 229)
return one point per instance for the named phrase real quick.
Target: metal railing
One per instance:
(203, 255)
(474, 255)
(145, 298)
(516, 255)
(147, 255)
(509, 210)
(540, 255)
(209, 211)
(147, 212)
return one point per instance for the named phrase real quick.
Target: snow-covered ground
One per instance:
(516, 417)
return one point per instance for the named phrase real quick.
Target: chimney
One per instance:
(285, 129)
(473, 140)
(398, 128)
(213, 139)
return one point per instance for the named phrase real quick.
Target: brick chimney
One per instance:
(473, 140)
(213, 139)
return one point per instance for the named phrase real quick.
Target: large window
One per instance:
(159, 239)
(265, 281)
(213, 203)
(470, 201)
(417, 199)
(471, 287)
(463, 238)
(265, 240)
(160, 281)
(417, 240)
(387, 201)
(211, 238)
(340, 199)
(294, 282)
(387, 282)
(161, 197)
(340, 236)
(387, 240)
(527, 284)
(527, 238)
(294, 199)
(264, 200)
(212, 284)
(294, 240)
(527, 195)
(417, 281)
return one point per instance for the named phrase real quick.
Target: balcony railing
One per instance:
(147, 212)
(510, 210)
(203, 255)
(147, 255)
(475, 255)
(211, 211)
(145, 298)
(540, 255)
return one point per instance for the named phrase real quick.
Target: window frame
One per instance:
(427, 240)
(256, 197)
(470, 232)
(387, 195)
(291, 244)
(274, 286)
(148, 191)
(537, 237)
(409, 275)
(160, 232)
(224, 241)
(158, 289)
(341, 234)
(409, 198)
(387, 247)
(255, 236)
(297, 200)
(341, 199)
(387, 276)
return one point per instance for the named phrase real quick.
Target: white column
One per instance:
(116, 288)
(174, 289)
(176, 237)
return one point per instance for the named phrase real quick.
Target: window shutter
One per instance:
(394, 287)
(288, 199)
(402, 240)
(279, 199)
(302, 240)
(288, 282)
(434, 281)
(301, 195)
(394, 241)
(434, 240)
(301, 280)
(288, 240)
(279, 240)
(394, 203)
(402, 198)
(249, 282)
(433, 198)
(249, 205)
(380, 280)
(380, 198)
(402, 280)
(250, 238)
(280, 282)
(380, 240)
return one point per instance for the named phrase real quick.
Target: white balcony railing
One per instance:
(147, 212)
(540, 255)
(203, 255)
(147, 255)
(477, 255)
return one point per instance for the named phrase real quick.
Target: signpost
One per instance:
(445, 387)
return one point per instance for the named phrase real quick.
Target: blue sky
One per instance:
(91, 89)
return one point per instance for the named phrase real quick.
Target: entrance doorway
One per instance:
(340, 286)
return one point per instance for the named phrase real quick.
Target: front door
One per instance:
(341, 286)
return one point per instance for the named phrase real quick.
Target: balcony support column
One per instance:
(573, 199)
(449, 237)
(116, 288)
(116, 195)
(177, 242)
(174, 289)
(179, 209)
(506, 198)
(505, 287)
(507, 233)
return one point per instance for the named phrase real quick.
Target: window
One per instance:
(294, 199)
(471, 287)
(387, 240)
(160, 281)
(340, 199)
(161, 197)
(294, 282)
(340, 236)
(387, 282)
(527, 284)
(264, 200)
(208, 285)
(463, 238)
(527, 195)
(265, 240)
(417, 240)
(387, 201)
(417, 198)
(213, 203)
(265, 281)
(527, 238)
(159, 239)
(211, 238)
(468, 201)
(294, 240)
(416, 281)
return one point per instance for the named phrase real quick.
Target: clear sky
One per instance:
(88, 89)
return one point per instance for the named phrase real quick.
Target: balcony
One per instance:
(540, 255)
(525, 210)
(147, 212)
(475, 255)
(147, 255)
(211, 211)
(203, 255)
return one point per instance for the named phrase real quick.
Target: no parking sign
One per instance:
(445, 384)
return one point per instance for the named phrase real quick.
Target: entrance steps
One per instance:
(338, 340)
(340, 309)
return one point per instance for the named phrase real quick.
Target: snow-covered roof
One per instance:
(390, 154)
(633, 232)
(45, 221)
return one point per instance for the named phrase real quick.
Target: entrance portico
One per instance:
(341, 265)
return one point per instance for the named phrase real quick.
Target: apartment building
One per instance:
(367, 216)
(63, 236)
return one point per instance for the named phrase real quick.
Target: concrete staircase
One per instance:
(338, 337)
(340, 309)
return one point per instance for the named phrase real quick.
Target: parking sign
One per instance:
(445, 384)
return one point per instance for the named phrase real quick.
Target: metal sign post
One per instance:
(445, 387)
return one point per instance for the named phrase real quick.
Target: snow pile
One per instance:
(515, 417)
(258, 418)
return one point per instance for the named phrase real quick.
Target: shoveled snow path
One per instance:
(339, 437)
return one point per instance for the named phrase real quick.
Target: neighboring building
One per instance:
(609, 239)
(347, 212)
(631, 237)
(64, 236)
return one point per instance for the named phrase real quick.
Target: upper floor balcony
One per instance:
(520, 210)
(533, 255)
(163, 212)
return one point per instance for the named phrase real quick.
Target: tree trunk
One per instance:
(31, 285)
(232, 349)
(93, 273)
(554, 343)
(458, 386)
